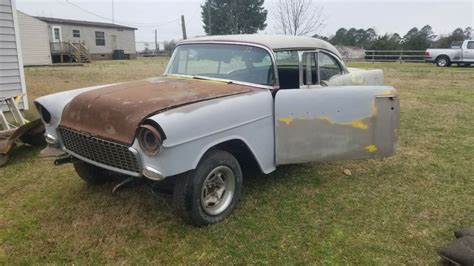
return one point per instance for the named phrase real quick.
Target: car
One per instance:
(223, 104)
(462, 55)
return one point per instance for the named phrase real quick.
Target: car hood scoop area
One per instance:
(115, 112)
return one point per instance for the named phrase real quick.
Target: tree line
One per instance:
(306, 17)
(414, 39)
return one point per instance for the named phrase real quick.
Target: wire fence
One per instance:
(390, 56)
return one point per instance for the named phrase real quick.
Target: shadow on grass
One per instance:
(156, 208)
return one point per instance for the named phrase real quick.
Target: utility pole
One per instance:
(156, 41)
(183, 27)
(113, 12)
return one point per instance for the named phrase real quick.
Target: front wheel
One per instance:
(210, 193)
(92, 174)
(443, 61)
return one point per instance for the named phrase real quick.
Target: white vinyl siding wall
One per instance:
(34, 40)
(12, 81)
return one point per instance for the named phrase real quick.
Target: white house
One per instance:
(351, 52)
(100, 40)
(12, 78)
(34, 40)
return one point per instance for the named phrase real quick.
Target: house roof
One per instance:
(84, 23)
(274, 42)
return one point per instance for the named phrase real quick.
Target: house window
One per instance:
(57, 35)
(99, 38)
(76, 34)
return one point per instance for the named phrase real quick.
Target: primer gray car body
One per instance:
(349, 116)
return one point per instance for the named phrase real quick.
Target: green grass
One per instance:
(390, 211)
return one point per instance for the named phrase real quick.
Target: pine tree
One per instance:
(233, 17)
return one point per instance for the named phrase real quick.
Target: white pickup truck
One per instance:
(463, 56)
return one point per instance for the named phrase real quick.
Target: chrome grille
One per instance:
(100, 150)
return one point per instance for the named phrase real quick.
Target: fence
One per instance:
(391, 56)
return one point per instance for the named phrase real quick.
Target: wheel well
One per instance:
(241, 152)
(443, 55)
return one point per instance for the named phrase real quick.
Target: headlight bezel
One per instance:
(150, 139)
(44, 113)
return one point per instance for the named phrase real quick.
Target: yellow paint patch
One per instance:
(286, 120)
(371, 148)
(374, 107)
(354, 123)
(327, 119)
(357, 78)
(359, 124)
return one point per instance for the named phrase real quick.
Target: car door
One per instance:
(322, 123)
(468, 52)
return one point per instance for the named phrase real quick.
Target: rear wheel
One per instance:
(443, 61)
(210, 193)
(91, 173)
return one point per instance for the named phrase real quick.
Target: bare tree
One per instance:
(169, 46)
(299, 17)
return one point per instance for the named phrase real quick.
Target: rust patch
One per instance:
(115, 112)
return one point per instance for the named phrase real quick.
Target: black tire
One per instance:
(4, 159)
(92, 174)
(443, 61)
(35, 140)
(191, 187)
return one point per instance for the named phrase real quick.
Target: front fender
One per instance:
(191, 130)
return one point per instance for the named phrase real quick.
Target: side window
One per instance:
(76, 34)
(308, 72)
(99, 38)
(328, 66)
(470, 45)
(288, 66)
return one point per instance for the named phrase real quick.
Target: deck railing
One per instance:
(76, 50)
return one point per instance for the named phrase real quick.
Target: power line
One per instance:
(136, 24)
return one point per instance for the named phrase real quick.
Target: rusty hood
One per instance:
(115, 112)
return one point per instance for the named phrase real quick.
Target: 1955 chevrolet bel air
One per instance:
(223, 101)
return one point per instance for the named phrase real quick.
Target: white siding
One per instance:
(34, 40)
(125, 39)
(12, 80)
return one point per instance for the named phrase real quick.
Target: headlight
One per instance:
(45, 114)
(149, 139)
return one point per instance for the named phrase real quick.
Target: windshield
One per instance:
(223, 61)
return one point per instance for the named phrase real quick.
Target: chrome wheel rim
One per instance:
(218, 190)
(442, 62)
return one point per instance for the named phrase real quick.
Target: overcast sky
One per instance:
(385, 16)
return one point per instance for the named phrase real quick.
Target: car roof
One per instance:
(273, 42)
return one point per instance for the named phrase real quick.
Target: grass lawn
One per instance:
(390, 211)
